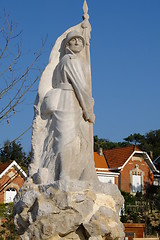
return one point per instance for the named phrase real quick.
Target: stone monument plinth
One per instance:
(69, 210)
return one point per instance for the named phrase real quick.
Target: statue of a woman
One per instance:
(66, 115)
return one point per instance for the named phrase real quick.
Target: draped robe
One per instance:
(67, 148)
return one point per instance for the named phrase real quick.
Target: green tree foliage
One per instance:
(143, 208)
(153, 141)
(106, 144)
(7, 229)
(135, 138)
(150, 142)
(14, 151)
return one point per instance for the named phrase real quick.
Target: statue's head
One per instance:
(75, 41)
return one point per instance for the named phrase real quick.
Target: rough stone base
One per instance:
(68, 210)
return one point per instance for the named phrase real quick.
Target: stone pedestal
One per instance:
(69, 210)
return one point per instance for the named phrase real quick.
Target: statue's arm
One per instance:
(76, 78)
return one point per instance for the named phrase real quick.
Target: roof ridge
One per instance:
(117, 148)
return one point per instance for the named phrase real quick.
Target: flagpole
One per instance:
(86, 33)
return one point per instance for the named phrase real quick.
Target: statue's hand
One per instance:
(92, 118)
(85, 115)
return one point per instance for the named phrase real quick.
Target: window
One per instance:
(136, 180)
(107, 179)
(136, 183)
(10, 194)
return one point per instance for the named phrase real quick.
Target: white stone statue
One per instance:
(63, 124)
(62, 197)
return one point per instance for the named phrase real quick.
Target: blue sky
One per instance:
(125, 61)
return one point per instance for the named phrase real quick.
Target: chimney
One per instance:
(100, 151)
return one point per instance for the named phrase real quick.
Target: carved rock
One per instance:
(69, 210)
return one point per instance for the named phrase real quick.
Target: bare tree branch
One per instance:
(14, 140)
(15, 82)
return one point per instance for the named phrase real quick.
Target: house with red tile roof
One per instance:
(12, 178)
(104, 175)
(134, 168)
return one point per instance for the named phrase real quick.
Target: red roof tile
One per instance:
(118, 156)
(100, 161)
(3, 166)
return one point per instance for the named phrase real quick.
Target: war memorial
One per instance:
(62, 197)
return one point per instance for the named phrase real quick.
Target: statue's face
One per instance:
(76, 44)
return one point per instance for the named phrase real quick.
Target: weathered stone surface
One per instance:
(72, 210)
